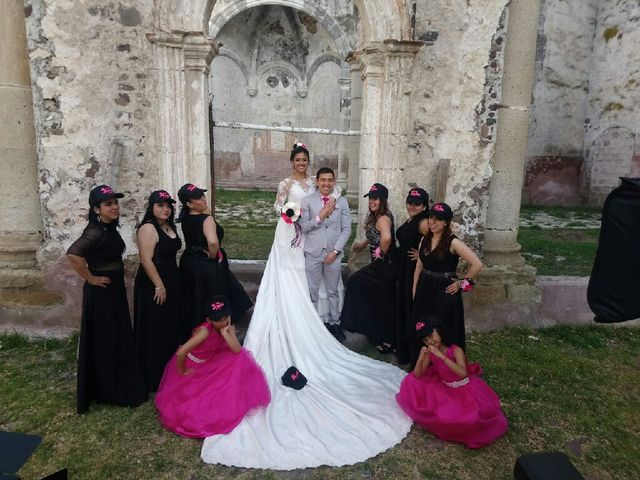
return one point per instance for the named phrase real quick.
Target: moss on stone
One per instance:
(610, 33)
(613, 106)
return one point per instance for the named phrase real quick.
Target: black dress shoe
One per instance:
(339, 333)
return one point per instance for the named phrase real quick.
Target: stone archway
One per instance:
(183, 50)
(220, 18)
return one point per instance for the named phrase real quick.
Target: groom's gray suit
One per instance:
(321, 237)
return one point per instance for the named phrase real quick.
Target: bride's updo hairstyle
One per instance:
(296, 149)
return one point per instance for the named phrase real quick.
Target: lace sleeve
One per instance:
(89, 239)
(283, 193)
(337, 192)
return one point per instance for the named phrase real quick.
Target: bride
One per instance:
(347, 412)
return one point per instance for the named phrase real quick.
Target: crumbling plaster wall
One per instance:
(614, 99)
(454, 98)
(563, 62)
(91, 71)
(556, 133)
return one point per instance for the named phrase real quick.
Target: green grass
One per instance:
(575, 390)
(563, 251)
(561, 212)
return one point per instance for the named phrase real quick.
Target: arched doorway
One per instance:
(280, 76)
(183, 51)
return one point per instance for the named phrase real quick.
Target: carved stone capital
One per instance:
(198, 49)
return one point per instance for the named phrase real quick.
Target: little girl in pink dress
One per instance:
(446, 396)
(211, 382)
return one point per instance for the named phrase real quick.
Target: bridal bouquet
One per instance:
(290, 213)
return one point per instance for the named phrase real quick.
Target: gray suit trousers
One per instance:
(316, 270)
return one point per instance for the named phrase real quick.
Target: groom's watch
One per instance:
(337, 252)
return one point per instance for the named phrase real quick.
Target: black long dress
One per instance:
(370, 297)
(409, 237)
(157, 327)
(108, 368)
(431, 297)
(203, 277)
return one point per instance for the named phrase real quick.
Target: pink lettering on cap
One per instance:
(438, 208)
(217, 306)
(373, 188)
(163, 195)
(106, 190)
(419, 325)
(414, 193)
(191, 187)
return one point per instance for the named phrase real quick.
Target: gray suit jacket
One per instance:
(332, 232)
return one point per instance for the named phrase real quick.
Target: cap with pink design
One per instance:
(160, 196)
(217, 307)
(101, 193)
(377, 190)
(441, 211)
(189, 191)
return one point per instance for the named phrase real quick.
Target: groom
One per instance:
(327, 226)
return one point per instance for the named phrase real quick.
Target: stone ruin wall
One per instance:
(91, 71)
(95, 104)
(95, 98)
(456, 90)
(586, 112)
(93, 93)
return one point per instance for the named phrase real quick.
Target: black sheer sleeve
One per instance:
(90, 238)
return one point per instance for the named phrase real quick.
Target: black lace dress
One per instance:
(370, 296)
(431, 297)
(108, 368)
(203, 277)
(409, 237)
(157, 327)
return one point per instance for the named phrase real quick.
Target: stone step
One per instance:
(32, 297)
(20, 278)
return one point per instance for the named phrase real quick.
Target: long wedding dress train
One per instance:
(345, 414)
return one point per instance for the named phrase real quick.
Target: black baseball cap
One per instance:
(377, 190)
(189, 191)
(441, 211)
(217, 307)
(418, 196)
(160, 196)
(101, 193)
(293, 378)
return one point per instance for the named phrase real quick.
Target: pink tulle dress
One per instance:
(465, 410)
(216, 396)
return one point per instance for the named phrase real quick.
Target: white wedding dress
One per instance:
(345, 414)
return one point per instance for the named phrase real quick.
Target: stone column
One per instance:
(20, 215)
(507, 293)
(345, 114)
(353, 173)
(182, 61)
(386, 74)
(503, 215)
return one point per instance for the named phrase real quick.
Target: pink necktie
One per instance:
(325, 200)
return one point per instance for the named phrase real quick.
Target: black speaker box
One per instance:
(545, 466)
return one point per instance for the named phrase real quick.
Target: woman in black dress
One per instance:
(370, 296)
(204, 267)
(409, 235)
(108, 368)
(157, 293)
(436, 287)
